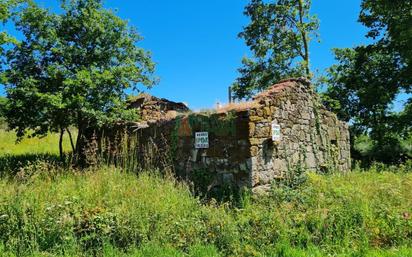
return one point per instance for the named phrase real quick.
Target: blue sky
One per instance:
(197, 50)
(195, 44)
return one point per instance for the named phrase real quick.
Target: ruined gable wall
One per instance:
(311, 137)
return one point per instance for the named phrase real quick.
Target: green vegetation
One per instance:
(15, 155)
(359, 214)
(44, 145)
(3, 102)
(364, 84)
(51, 210)
(361, 88)
(71, 69)
(279, 36)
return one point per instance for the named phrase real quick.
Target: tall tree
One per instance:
(390, 22)
(72, 69)
(364, 84)
(278, 36)
(6, 11)
(362, 87)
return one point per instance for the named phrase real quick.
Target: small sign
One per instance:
(275, 132)
(201, 140)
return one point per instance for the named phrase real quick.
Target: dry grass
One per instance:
(240, 106)
(274, 90)
(170, 115)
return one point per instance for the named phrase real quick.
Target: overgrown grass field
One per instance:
(48, 210)
(35, 145)
(15, 155)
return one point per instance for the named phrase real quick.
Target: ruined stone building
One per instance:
(250, 144)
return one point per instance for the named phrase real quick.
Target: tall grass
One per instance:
(50, 210)
(112, 213)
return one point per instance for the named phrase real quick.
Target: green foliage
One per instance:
(30, 145)
(390, 21)
(5, 13)
(3, 102)
(364, 84)
(359, 83)
(396, 148)
(52, 210)
(72, 67)
(203, 185)
(7, 10)
(278, 35)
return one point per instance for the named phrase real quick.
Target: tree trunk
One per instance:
(71, 140)
(78, 154)
(305, 39)
(86, 146)
(61, 144)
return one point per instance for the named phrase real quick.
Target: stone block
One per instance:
(254, 150)
(263, 132)
(227, 178)
(255, 118)
(262, 190)
(252, 127)
(256, 141)
(243, 167)
(311, 160)
(267, 111)
(305, 115)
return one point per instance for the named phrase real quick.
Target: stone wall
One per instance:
(172, 143)
(311, 137)
(241, 149)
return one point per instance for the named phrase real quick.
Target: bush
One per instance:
(391, 150)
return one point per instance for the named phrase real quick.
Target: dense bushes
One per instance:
(114, 213)
(391, 149)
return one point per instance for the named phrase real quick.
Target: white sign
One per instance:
(275, 132)
(201, 140)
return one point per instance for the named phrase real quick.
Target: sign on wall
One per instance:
(276, 136)
(201, 140)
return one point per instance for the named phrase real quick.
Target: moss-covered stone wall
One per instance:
(226, 160)
(241, 149)
(312, 138)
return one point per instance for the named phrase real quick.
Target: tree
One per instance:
(6, 11)
(364, 84)
(3, 103)
(278, 35)
(361, 90)
(4, 16)
(72, 69)
(390, 22)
